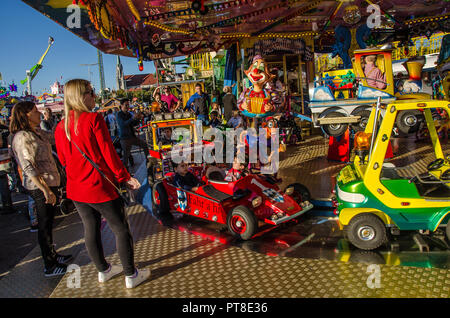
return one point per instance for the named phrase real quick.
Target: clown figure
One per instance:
(258, 102)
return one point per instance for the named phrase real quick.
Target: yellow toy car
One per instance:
(370, 194)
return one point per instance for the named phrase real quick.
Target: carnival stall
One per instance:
(287, 34)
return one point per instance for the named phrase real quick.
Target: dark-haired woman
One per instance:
(33, 151)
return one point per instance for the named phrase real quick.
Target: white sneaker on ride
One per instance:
(138, 277)
(112, 271)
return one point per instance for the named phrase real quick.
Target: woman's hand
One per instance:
(50, 197)
(133, 184)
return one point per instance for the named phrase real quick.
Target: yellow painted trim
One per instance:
(155, 144)
(372, 176)
(347, 214)
(433, 134)
(387, 62)
(172, 123)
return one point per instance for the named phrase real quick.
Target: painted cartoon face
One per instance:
(258, 73)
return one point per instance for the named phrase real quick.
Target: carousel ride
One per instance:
(275, 45)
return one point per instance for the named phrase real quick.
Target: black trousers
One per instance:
(45, 215)
(114, 213)
(5, 193)
(126, 145)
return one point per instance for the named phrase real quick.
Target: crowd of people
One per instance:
(88, 154)
(85, 145)
(212, 110)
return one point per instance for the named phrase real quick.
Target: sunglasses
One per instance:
(91, 92)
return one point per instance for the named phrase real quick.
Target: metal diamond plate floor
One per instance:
(186, 265)
(194, 258)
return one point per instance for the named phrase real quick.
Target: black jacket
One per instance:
(186, 182)
(229, 104)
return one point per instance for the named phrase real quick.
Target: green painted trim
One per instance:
(405, 219)
(401, 188)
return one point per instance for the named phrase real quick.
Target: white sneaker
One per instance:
(112, 271)
(138, 277)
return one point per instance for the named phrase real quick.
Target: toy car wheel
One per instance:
(361, 125)
(242, 222)
(408, 121)
(366, 231)
(160, 199)
(301, 193)
(335, 130)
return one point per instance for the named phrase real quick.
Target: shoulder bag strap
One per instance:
(97, 168)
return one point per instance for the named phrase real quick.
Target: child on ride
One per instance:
(166, 136)
(215, 108)
(214, 120)
(375, 78)
(183, 178)
(236, 172)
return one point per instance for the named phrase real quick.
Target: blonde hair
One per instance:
(371, 58)
(74, 91)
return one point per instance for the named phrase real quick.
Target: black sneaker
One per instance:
(63, 259)
(58, 269)
(33, 228)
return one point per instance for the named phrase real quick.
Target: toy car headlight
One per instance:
(158, 117)
(256, 202)
(289, 191)
(168, 116)
(362, 141)
(177, 115)
(350, 197)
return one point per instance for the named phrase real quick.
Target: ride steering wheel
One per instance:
(435, 164)
(446, 175)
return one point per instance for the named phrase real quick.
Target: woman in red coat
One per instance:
(93, 195)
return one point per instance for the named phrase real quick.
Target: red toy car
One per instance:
(241, 204)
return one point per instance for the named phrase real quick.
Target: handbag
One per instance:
(121, 192)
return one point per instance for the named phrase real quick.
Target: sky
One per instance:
(25, 33)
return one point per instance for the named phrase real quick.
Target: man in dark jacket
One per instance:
(127, 136)
(229, 103)
(199, 103)
(48, 123)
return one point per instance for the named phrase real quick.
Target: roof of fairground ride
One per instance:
(162, 28)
